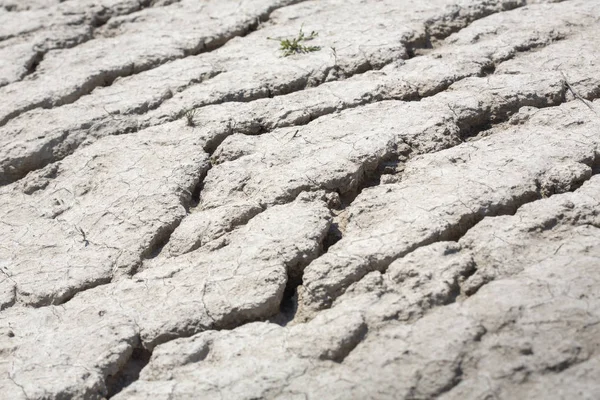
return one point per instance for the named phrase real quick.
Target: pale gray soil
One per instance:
(411, 211)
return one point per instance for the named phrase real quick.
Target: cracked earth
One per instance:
(409, 211)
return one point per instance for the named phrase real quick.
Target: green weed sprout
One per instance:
(295, 45)
(189, 117)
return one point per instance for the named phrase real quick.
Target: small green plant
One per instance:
(189, 117)
(296, 46)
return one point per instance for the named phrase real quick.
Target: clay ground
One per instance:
(407, 206)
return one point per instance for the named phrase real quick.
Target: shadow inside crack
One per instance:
(129, 373)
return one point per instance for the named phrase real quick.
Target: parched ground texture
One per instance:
(409, 210)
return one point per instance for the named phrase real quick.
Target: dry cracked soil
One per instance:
(403, 203)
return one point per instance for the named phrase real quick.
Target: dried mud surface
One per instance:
(409, 211)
